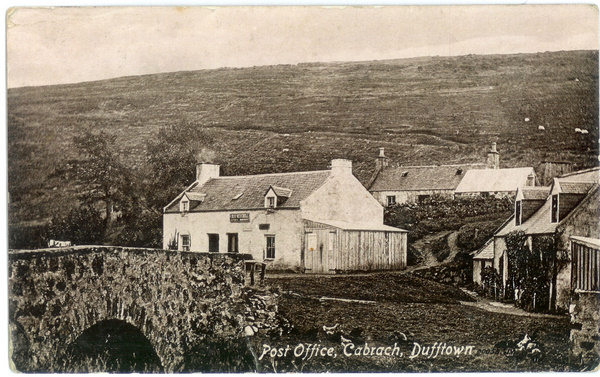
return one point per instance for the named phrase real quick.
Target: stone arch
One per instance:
(116, 307)
(180, 302)
(112, 345)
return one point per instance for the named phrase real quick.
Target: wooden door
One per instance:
(316, 256)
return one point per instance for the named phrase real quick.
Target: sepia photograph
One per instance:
(303, 189)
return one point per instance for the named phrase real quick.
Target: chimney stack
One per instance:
(341, 166)
(381, 161)
(205, 172)
(493, 158)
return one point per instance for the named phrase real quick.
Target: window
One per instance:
(213, 243)
(270, 250)
(518, 212)
(271, 202)
(185, 242)
(232, 243)
(554, 209)
(422, 198)
(185, 206)
(391, 200)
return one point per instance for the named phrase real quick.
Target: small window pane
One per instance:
(270, 252)
(185, 242)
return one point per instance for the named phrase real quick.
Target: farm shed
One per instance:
(333, 246)
(266, 215)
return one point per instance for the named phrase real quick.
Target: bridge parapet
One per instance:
(176, 299)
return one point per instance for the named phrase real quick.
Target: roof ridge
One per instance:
(579, 172)
(273, 174)
(436, 166)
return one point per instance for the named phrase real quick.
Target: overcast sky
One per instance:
(67, 45)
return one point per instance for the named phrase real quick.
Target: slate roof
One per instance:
(221, 192)
(535, 193)
(487, 251)
(540, 221)
(282, 192)
(588, 175)
(490, 180)
(417, 178)
(195, 196)
(575, 187)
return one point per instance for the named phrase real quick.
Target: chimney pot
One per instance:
(493, 158)
(205, 172)
(341, 166)
(381, 152)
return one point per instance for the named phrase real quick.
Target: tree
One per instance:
(82, 226)
(172, 157)
(102, 176)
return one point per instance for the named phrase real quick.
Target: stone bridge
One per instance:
(63, 301)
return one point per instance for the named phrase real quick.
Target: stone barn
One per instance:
(315, 221)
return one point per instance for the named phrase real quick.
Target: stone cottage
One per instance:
(567, 208)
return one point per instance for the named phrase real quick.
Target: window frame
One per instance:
(185, 247)
(390, 200)
(216, 238)
(236, 244)
(554, 209)
(518, 212)
(270, 248)
(184, 206)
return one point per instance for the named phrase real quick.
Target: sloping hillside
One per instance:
(285, 118)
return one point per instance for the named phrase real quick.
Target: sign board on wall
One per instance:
(239, 217)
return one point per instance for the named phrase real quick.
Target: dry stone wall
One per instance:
(175, 299)
(585, 329)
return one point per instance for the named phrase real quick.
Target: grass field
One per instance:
(430, 110)
(405, 310)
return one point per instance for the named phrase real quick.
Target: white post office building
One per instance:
(314, 222)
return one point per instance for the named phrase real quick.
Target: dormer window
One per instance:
(518, 213)
(554, 218)
(276, 196)
(404, 174)
(184, 205)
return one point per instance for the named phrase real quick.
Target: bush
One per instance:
(82, 226)
(437, 214)
(491, 282)
(27, 237)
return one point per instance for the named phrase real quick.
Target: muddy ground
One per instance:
(378, 312)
